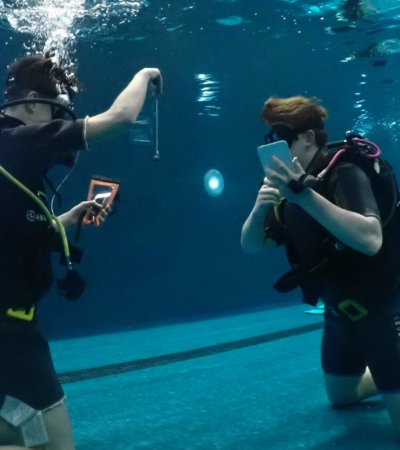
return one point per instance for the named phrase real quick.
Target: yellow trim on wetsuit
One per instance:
(352, 309)
(22, 313)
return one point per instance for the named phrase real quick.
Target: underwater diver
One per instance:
(35, 136)
(340, 230)
(355, 10)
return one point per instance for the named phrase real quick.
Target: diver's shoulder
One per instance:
(349, 166)
(9, 121)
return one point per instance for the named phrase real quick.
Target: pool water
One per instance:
(180, 341)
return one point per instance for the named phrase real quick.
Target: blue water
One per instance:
(166, 276)
(171, 252)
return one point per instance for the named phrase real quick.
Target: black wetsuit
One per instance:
(373, 281)
(27, 240)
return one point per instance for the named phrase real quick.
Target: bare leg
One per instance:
(58, 428)
(344, 391)
(392, 403)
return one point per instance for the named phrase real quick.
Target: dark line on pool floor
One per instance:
(171, 358)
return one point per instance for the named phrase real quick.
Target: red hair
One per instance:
(298, 112)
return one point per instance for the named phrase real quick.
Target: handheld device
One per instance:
(280, 149)
(103, 191)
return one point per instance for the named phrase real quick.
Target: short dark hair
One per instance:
(40, 74)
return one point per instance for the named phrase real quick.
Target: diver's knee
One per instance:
(341, 391)
(339, 399)
(342, 402)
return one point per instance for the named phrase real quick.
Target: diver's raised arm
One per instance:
(253, 236)
(125, 109)
(359, 232)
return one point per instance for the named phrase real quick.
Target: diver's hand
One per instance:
(253, 235)
(267, 196)
(155, 78)
(75, 214)
(281, 175)
(97, 211)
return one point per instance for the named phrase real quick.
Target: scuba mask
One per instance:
(62, 106)
(67, 87)
(281, 132)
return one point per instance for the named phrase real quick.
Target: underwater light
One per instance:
(214, 182)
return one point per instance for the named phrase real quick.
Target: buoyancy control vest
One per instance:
(366, 155)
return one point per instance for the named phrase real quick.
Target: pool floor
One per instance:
(244, 382)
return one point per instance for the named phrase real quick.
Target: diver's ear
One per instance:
(310, 137)
(30, 107)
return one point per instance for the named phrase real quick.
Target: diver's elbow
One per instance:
(373, 240)
(249, 249)
(374, 247)
(250, 246)
(121, 116)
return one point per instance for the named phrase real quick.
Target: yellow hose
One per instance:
(53, 220)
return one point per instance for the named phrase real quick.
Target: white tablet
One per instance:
(280, 149)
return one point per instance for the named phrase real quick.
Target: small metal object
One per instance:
(156, 156)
